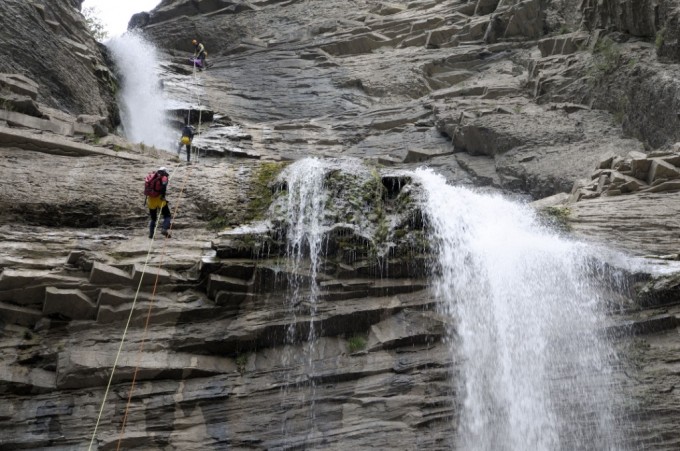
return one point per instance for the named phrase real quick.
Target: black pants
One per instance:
(165, 211)
(188, 146)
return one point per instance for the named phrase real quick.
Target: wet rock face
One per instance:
(236, 356)
(459, 84)
(227, 359)
(49, 42)
(637, 18)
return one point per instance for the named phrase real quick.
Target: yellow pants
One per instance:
(155, 203)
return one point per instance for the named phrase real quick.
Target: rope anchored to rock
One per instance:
(129, 320)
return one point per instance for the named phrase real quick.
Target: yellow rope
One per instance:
(127, 326)
(134, 302)
(148, 318)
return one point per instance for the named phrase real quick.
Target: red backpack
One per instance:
(153, 184)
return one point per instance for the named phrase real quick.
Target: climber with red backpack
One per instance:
(155, 185)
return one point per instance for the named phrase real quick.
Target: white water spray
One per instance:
(143, 107)
(305, 205)
(535, 372)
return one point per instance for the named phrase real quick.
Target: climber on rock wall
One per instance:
(155, 186)
(199, 54)
(186, 140)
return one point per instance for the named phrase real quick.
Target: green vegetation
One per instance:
(356, 343)
(660, 37)
(94, 23)
(92, 138)
(6, 104)
(620, 110)
(557, 216)
(217, 223)
(564, 29)
(117, 148)
(261, 195)
(374, 190)
(607, 57)
(607, 60)
(241, 362)
(28, 335)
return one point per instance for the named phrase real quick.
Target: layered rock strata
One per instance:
(477, 90)
(49, 42)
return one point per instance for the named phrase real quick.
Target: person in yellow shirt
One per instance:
(186, 140)
(155, 186)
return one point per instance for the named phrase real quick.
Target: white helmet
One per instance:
(163, 169)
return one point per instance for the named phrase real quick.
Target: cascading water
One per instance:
(305, 205)
(143, 107)
(308, 220)
(535, 371)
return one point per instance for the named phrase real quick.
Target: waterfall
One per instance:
(533, 370)
(143, 107)
(305, 205)
(308, 217)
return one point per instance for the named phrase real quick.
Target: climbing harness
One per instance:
(129, 320)
(153, 294)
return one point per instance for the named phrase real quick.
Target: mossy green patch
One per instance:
(557, 216)
(660, 38)
(260, 193)
(356, 343)
(241, 362)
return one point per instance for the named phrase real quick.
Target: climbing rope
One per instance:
(148, 314)
(195, 153)
(153, 294)
(132, 309)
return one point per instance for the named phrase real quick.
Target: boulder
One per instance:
(19, 84)
(606, 161)
(672, 185)
(14, 118)
(55, 145)
(98, 124)
(102, 274)
(150, 275)
(71, 304)
(114, 298)
(20, 104)
(660, 169)
(639, 167)
(550, 201)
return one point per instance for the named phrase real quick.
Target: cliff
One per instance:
(237, 336)
(50, 44)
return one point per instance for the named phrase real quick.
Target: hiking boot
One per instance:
(165, 233)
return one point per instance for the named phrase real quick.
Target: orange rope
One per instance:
(148, 315)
